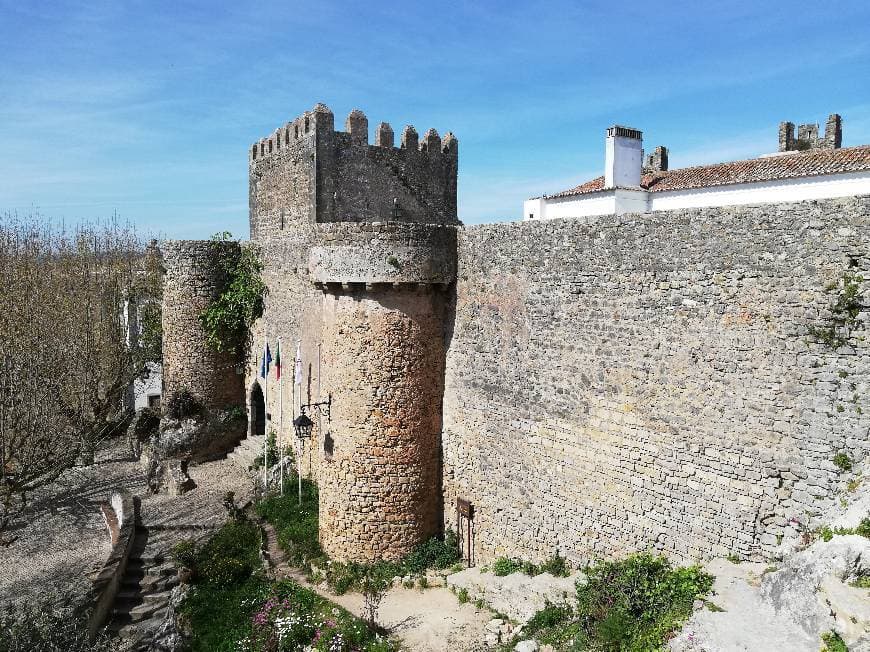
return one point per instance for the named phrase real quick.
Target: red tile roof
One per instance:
(791, 165)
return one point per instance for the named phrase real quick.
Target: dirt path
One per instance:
(427, 620)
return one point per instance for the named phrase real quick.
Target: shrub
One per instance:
(182, 405)
(637, 602)
(433, 553)
(374, 586)
(556, 566)
(228, 318)
(842, 461)
(462, 595)
(833, 643)
(505, 566)
(231, 556)
(52, 624)
(184, 554)
(549, 616)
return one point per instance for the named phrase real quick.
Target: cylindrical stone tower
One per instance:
(383, 364)
(194, 276)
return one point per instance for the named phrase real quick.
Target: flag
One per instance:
(267, 361)
(278, 360)
(298, 364)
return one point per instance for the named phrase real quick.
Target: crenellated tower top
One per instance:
(307, 172)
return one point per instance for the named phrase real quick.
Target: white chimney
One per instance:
(623, 157)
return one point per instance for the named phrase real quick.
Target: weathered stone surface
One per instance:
(651, 381)
(198, 439)
(194, 276)
(383, 357)
(307, 172)
(143, 426)
(171, 636)
(741, 620)
(175, 480)
(517, 595)
(800, 589)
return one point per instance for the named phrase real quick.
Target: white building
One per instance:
(146, 390)
(806, 167)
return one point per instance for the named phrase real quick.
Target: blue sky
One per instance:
(147, 109)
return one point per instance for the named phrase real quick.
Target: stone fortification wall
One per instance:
(291, 312)
(308, 172)
(652, 380)
(193, 278)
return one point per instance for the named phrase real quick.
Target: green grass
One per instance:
(826, 533)
(833, 643)
(232, 606)
(296, 525)
(555, 565)
(297, 528)
(631, 605)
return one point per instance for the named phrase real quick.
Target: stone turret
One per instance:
(384, 308)
(306, 172)
(194, 276)
(808, 135)
(379, 222)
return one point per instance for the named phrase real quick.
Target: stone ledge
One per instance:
(121, 514)
(384, 253)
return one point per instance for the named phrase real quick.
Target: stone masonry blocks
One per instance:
(193, 278)
(383, 358)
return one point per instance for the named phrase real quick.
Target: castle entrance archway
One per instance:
(257, 405)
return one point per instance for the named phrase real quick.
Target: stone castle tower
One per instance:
(378, 224)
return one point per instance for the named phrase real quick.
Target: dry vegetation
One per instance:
(65, 358)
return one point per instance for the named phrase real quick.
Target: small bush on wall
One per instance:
(183, 405)
(228, 318)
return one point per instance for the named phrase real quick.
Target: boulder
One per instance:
(811, 589)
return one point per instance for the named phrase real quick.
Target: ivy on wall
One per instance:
(847, 305)
(229, 317)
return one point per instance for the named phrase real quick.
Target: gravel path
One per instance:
(64, 540)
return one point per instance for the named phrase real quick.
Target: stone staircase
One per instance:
(144, 593)
(247, 450)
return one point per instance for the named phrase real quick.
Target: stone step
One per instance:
(140, 612)
(243, 459)
(158, 597)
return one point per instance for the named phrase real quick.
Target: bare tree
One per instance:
(65, 359)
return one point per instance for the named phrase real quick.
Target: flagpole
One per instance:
(297, 380)
(280, 418)
(266, 416)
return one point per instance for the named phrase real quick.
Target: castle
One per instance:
(644, 380)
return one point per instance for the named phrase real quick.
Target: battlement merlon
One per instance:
(320, 120)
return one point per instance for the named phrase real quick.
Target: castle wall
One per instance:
(193, 278)
(291, 312)
(650, 380)
(366, 183)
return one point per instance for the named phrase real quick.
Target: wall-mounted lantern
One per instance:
(303, 425)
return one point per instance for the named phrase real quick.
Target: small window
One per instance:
(154, 401)
(531, 216)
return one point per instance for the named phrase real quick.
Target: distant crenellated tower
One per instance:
(380, 224)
